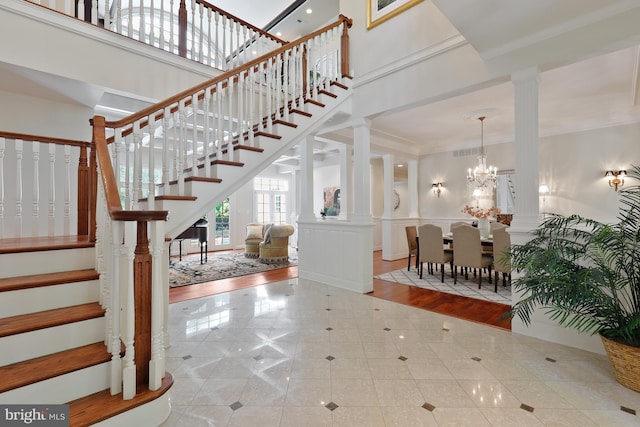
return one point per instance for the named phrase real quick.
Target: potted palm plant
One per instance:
(586, 275)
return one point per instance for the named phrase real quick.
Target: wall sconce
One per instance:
(616, 182)
(543, 190)
(437, 188)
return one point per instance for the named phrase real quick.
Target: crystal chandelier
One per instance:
(482, 176)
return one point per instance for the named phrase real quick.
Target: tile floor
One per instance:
(301, 354)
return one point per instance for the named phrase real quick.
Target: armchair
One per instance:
(255, 234)
(275, 246)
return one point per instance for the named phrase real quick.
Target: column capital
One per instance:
(528, 74)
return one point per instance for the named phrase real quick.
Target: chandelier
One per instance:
(482, 176)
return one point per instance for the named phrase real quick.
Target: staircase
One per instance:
(64, 345)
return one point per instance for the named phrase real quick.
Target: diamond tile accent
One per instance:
(376, 309)
(329, 329)
(527, 407)
(236, 405)
(330, 358)
(628, 410)
(328, 309)
(328, 295)
(258, 357)
(331, 406)
(387, 329)
(402, 358)
(548, 359)
(187, 357)
(477, 359)
(428, 406)
(445, 329)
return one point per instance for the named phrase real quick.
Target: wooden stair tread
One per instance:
(202, 179)
(52, 365)
(326, 92)
(340, 85)
(99, 406)
(47, 279)
(49, 318)
(47, 243)
(170, 197)
(248, 148)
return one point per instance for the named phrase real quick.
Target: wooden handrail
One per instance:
(226, 75)
(40, 138)
(241, 21)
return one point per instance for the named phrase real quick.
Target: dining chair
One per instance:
(412, 242)
(467, 252)
(495, 225)
(501, 261)
(432, 250)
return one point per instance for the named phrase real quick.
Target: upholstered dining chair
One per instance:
(501, 263)
(412, 242)
(467, 252)
(432, 249)
(495, 225)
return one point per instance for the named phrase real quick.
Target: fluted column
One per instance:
(362, 172)
(526, 214)
(306, 180)
(412, 188)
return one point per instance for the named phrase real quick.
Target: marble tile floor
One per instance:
(299, 353)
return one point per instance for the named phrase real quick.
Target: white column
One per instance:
(362, 172)
(526, 215)
(412, 188)
(306, 180)
(346, 178)
(388, 179)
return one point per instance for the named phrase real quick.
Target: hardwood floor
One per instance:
(471, 309)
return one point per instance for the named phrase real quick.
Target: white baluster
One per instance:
(269, 94)
(18, 217)
(194, 134)
(137, 165)
(117, 152)
(151, 162)
(166, 170)
(2, 179)
(193, 30)
(80, 10)
(261, 93)
(209, 40)
(246, 45)
(240, 119)
(171, 29)
(141, 26)
(207, 132)
(107, 14)
(118, 16)
(251, 105)
(51, 215)
(182, 146)
(116, 235)
(223, 60)
(229, 142)
(130, 20)
(126, 279)
(35, 201)
(220, 115)
(278, 85)
(128, 188)
(152, 23)
(94, 12)
(231, 60)
(201, 38)
(67, 189)
(161, 30)
(218, 61)
(156, 248)
(176, 144)
(238, 45)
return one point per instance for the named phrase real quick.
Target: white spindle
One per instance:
(194, 135)
(219, 127)
(51, 214)
(278, 85)
(114, 238)
(240, 109)
(67, 189)
(166, 171)
(269, 94)
(141, 31)
(137, 163)
(223, 60)
(201, 38)
(107, 14)
(207, 132)
(126, 279)
(35, 194)
(193, 30)
(128, 178)
(218, 61)
(94, 12)
(171, 29)
(182, 145)
(229, 141)
(119, 150)
(118, 16)
(80, 10)
(151, 162)
(2, 179)
(130, 20)
(251, 93)
(152, 24)
(209, 40)
(161, 30)
(68, 8)
(246, 45)
(176, 144)
(18, 218)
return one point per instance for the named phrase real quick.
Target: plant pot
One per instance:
(625, 361)
(483, 226)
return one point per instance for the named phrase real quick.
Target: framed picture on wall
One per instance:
(332, 201)
(379, 11)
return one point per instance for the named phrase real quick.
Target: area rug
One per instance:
(219, 266)
(467, 288)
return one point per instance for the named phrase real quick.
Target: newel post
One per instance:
(84, 192)
(98, 136)
(142, 268)
(344, 46)
(182, 29)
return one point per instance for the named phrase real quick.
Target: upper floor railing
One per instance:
(193, 29)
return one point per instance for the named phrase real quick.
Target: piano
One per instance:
(196, 231)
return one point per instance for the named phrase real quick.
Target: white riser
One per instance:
(28, 263)
(51, 340)
(43, 298)
(153, 413)
(61, 389)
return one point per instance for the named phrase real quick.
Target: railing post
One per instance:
(91, 185)
(182, 29)
(344, 62)
(142, 304)
(84, 193)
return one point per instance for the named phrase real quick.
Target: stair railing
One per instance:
(189, 133)
(193, 29)
(38, 195)
(185, 134)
